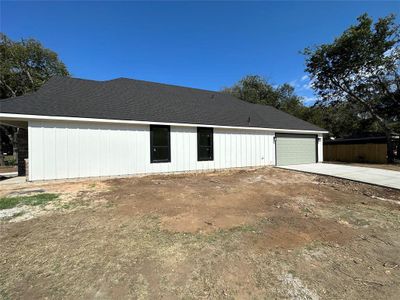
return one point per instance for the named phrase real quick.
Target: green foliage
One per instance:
(360, 71)
(25, 66)
(255, 89)
(10, 160)
(341, 119)
(39, 199)
(356, 78)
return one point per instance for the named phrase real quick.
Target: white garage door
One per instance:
(292, 149)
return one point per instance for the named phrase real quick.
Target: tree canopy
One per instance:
(360, 70)
(25, 65)
(356, 79)
(256, 89)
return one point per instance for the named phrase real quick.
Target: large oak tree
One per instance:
(24, 66)
(360, 69)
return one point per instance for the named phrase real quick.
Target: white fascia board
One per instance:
(21, 117)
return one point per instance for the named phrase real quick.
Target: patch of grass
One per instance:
(39, 199)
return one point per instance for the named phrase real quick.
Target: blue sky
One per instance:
(206, 45)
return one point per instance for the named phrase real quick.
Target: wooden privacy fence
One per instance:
(368, 153)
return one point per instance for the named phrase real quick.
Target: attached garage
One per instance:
(293, 149)
(83, 128)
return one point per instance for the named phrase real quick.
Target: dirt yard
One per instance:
(245, 234)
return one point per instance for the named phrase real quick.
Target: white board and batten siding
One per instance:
(60, 150)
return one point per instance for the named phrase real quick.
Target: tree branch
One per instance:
(386, 89)
(22, 66)
(29, 77)
(348, 91)
(14, 93)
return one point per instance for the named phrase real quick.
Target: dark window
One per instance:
(160, 149)
(205, 146)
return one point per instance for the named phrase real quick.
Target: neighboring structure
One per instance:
(367, 148)
(83, 128)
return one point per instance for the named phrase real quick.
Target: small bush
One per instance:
(39, 199)
(10, 160)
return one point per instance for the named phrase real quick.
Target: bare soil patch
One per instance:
(264, 233)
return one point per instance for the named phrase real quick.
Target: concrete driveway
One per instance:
(380, 177)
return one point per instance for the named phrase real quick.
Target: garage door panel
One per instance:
(295, 149)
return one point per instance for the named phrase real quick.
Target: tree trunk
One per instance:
(390, 156)
(2, 163)
(14, 142)
(2, 135)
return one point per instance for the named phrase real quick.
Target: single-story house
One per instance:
(84, 128)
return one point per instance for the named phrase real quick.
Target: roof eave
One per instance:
(25, 117)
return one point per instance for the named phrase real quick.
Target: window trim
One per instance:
(211, 146)
(152, 160)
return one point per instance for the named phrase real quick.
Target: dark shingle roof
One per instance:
(127, 99)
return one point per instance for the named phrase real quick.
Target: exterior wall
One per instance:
(320, 147)
(76, 149)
